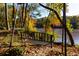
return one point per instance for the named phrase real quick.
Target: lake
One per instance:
(75, 35)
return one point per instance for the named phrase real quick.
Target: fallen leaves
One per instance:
(47, 51)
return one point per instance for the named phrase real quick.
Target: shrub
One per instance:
(13, 52)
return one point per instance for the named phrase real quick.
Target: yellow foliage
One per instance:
(54, 21)
(31, 24)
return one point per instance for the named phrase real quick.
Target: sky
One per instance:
(43, 12)
(73, 10)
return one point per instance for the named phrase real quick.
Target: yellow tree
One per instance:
(29, 21)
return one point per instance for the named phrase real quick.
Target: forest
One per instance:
(37, 29)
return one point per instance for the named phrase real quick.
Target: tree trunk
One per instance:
(6, 17)
(13, 26)
(68, 32)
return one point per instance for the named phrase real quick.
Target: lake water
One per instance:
(75, 35)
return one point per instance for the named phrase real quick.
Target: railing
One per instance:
(40, 36)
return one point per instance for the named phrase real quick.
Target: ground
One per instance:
(37, 48)
(46, 50)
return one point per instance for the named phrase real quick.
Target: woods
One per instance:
(23, 25)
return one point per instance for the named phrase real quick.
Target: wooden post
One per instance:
(51, 40)
(64, 19)
(62, 38)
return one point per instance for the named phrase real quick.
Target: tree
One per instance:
(29, 21)
(13, 24)
(6, 17)
(74, 22)
(56, 6)
(68, 32)
(2, 19)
